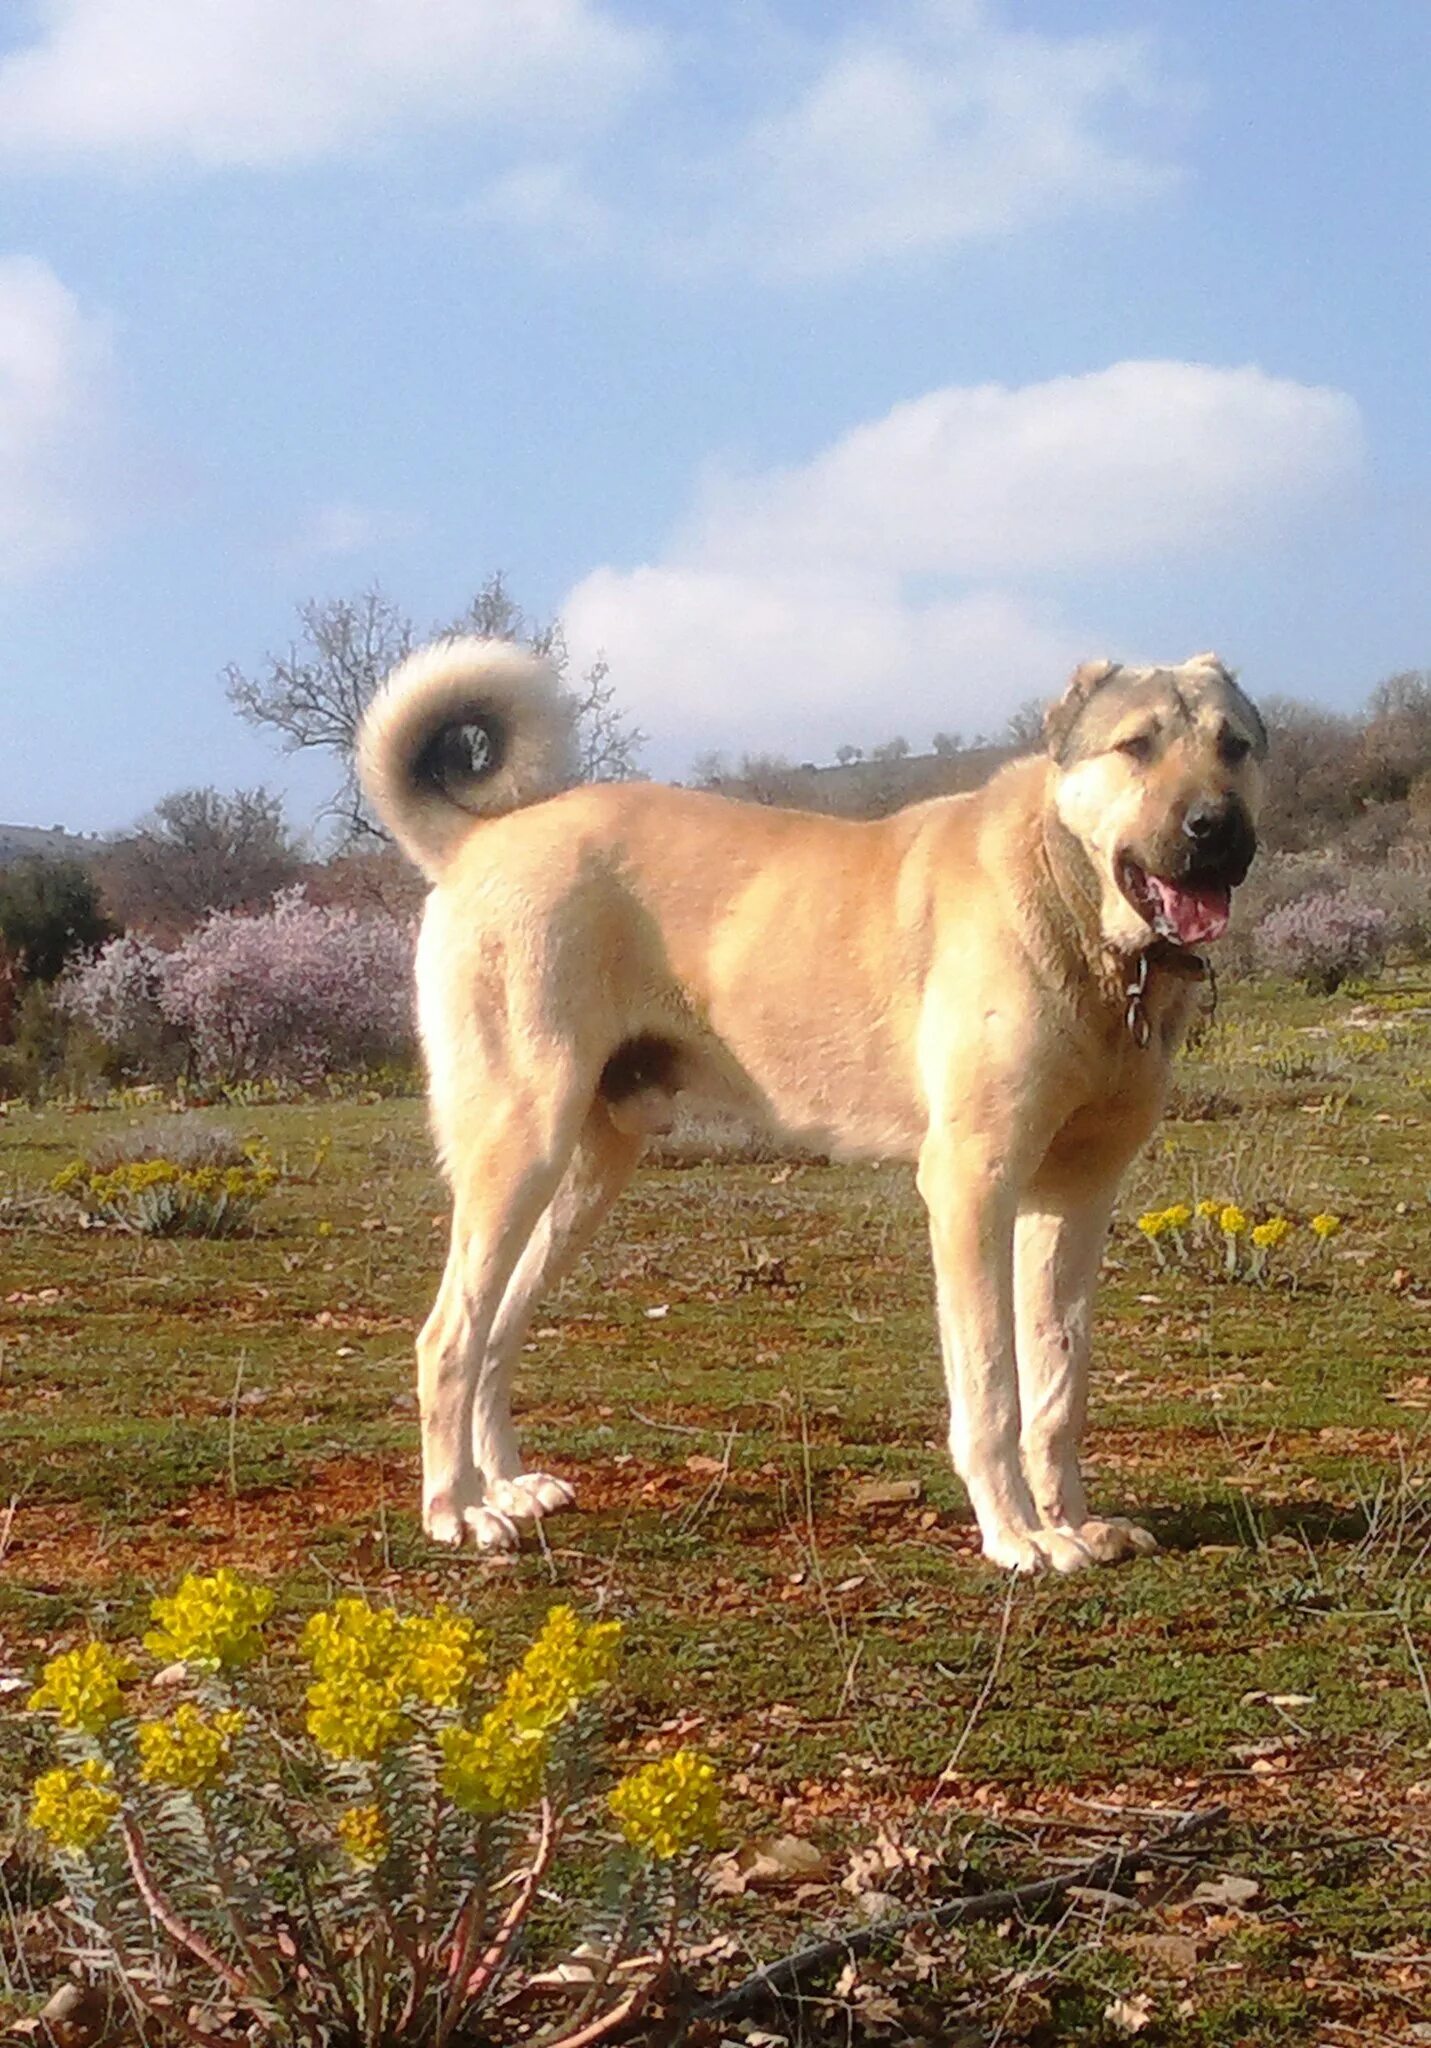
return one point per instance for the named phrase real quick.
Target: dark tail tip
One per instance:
(463, 751)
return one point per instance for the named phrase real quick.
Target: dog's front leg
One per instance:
(971, 1191)
(1058, 1249)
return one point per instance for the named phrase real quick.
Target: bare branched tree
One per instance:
(1025, 727)
(315, 695)
(199, 851)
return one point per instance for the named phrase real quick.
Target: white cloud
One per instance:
(933, 126)
(895, 581)
(551, 201)
(341, 527)
(266, 82)
(928, 126)
(53, 368)
(800, 664)
(1121, 464)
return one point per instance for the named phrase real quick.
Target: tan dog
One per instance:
(991, 985)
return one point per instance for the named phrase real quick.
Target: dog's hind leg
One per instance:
(1058, 1250)
(598, 1169)
(505, 1170)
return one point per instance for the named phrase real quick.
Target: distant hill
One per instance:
(860, 789)
(41, 842)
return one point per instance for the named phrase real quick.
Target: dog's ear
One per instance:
(1219, 667)
(1062, 717)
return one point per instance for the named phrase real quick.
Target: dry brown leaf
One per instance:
(1225, 1891)
(886, 1493)
(766, 1864)
(1130, 2015)
(1177, 1953)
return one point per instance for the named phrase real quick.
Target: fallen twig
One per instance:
(790, 1974)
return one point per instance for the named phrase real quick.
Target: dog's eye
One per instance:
(1138, 746)
(1233, 747)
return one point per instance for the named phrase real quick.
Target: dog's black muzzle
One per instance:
(1219, 842)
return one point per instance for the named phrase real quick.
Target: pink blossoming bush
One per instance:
(1323, 939)
(117, 992)
(300, 991)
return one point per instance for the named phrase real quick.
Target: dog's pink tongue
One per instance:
(1196, 912)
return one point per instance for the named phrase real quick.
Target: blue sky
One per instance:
(837, 370)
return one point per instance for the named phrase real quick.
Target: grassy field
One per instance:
(746, 1346)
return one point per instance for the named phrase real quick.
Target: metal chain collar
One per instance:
(1135, 1016)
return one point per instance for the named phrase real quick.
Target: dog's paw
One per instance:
(449, 1519)
(1036, 1550)
(491, 1529)
(442, 1518)
(531, 1496)
(1111, 1541)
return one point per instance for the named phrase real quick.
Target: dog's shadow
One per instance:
(1232, 1523)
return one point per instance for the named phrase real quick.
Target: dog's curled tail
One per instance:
(462, 730)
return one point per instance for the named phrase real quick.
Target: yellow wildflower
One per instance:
(1232, 1221)
(669, 1806)
(356, 1650)
(363, 1835)
(1153, 1222)
(74, 1807)
(352, 1639)
(368, 1660)
(1207, 1209)
(82, 1686)
(214, 1623)
(187, 1750)
(1325, 1225)
(443, 1654)
(1267, 1236)
(565, 1665)
(1177, 1216)
(356, 1718)
(497, 1767)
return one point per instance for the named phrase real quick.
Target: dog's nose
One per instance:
(1207, 822)
(1220, 837)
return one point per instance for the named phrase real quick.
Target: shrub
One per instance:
(1320, 940)
(162, 1198)
(48, 1054)
(299, 991)
(379, 1866)
(1404, 893)
(117, 993)
(187, 1139)
(49, 911)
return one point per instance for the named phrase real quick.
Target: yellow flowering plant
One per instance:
(1222, 1239)
(212, 1623)
(190, 1750)
(75, 1807)
(165, 1198)
(341, 1831)
(82, 1688)
(670, 1806)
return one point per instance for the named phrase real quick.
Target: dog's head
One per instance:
(1160, 777)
